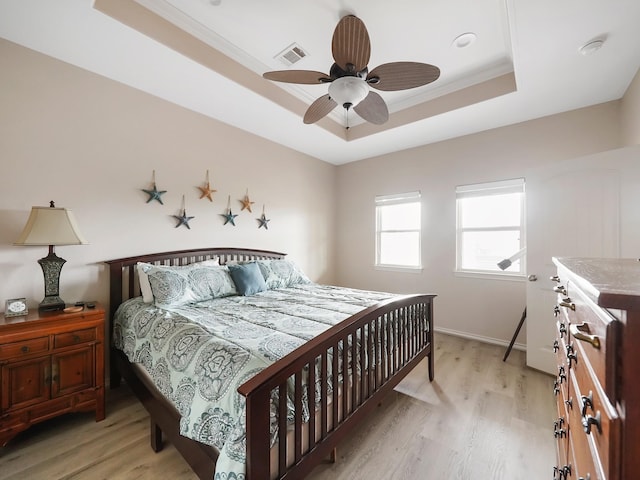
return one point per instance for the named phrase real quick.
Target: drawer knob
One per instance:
(24, 349)
(581, 332)
(569, 403)
(556, 311)
(556, 346)
(555, 278)
(556, 388)
(590, 420)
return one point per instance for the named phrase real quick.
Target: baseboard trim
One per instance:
(480, 338)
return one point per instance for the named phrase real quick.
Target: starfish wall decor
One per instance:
(229, 217)
(263, 220)
(183, 219)
(154, 193)
(207, 191)
(246, 203)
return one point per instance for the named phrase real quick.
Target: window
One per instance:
(398, 230)
(490, 227)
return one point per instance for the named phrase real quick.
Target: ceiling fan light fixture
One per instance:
(348, 91)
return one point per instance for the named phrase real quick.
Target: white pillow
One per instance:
(143, 278)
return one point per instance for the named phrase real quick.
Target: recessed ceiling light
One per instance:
(591, 47)
(464, 40)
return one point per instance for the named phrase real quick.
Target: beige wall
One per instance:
(488, 309)
(630, 112)
(91, 144)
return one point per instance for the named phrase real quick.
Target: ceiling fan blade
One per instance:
(307, 77)
(319, 109)
(351, 44)
(402, 75)
(373, 109)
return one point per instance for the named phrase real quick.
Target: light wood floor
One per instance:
(480, 419)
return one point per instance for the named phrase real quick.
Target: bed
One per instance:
(296, 409)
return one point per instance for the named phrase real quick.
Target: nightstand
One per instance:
(50, 363)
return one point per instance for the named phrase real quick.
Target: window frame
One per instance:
(500, 187)
(397, 199)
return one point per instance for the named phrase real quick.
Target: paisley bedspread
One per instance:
(199, 354)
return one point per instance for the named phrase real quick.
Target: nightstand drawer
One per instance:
(26, 347)
(74, 338)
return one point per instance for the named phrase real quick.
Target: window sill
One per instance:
(511, 277)
(398, 268)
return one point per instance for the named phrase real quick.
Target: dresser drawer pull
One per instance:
(567, 303)
(556, 346)
(561, 473)
(587, 402)
(572, 356)
(24, 349)
(560, 289)
(562, 329)
(555, 278)
(591, 420)
(578, 332)
(562, 376)
(556, 310)
(588, 477)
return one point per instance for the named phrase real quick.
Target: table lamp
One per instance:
(51, 226)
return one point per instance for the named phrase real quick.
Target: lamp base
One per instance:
(51, 266)
(51, 303)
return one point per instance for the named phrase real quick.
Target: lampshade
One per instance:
(51, 226)
(348, 91)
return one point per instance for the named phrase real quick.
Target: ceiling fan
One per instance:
(350, 79)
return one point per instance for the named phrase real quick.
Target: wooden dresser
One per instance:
(598, 383)
(50, 364)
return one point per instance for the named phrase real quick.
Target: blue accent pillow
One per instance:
(248, 278)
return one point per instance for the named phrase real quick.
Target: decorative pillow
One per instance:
(143, 279)
(281, 273)
(174, 286)
(248, 278)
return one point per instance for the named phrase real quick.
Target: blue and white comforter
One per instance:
(199, 354)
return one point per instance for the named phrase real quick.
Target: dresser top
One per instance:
(610, 282)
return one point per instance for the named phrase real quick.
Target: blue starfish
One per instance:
(229, 217)
(263, 222)
(183, 219)
(155, 194)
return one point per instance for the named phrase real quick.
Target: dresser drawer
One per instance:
(73, 338)
(593, 335)
(26, 347)
(604, 429)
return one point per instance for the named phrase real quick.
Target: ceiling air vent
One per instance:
(292, 54)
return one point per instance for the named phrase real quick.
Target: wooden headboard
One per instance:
(123, 283)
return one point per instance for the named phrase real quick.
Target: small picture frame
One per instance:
(16, 307)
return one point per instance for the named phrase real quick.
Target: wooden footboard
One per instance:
(341, 375)
(363, 357)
